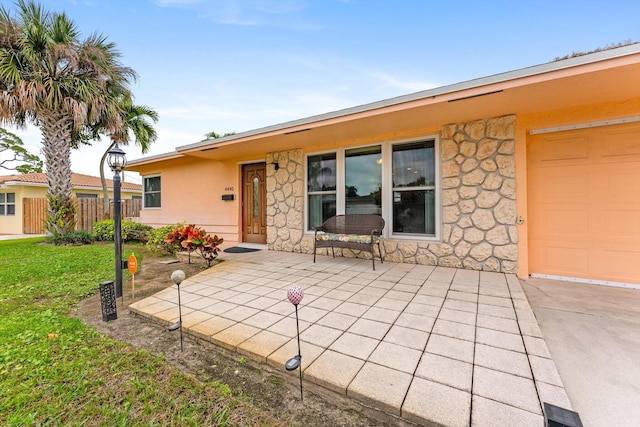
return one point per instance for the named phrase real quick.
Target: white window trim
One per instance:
(144, 192)
(387, 193)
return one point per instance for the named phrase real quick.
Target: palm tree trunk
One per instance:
(56, 141)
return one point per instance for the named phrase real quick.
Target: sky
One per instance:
(238, 65)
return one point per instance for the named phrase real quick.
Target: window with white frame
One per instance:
(397, 180)
(151, 191)
(7, 204)
(414, 188)
(321, 188)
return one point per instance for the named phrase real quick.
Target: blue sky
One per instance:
(225, 65)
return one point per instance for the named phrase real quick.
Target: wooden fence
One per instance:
(34, 213)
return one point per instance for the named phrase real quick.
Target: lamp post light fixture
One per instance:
(117, 160)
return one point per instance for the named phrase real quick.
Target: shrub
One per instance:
(72, 238)
(156, 239)
(131, 231)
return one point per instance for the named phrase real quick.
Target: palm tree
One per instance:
(135, 121)
(63, 85)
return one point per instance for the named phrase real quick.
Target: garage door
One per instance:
(584, 203)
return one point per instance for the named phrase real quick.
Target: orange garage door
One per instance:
(584, 203)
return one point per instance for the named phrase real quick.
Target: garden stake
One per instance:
(295, 295)
(178, 276)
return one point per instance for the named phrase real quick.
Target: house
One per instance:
(17, 192)
(534, 171)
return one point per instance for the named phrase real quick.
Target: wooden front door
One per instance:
(254, 206)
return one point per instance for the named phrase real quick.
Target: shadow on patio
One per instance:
(422, 343)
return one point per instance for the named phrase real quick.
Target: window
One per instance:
(152, 191)
(7, 204)
(413, 179)
(363, 180)
(321, 188)
(397, 180)
(86, 196)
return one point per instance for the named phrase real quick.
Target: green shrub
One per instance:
(103, 230)
(156, 239)
(73, 238)
(131, 231)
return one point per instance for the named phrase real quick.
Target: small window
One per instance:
(152, 192)
(7, 204)
(86, 196)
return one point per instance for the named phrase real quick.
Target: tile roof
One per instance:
(77, 180)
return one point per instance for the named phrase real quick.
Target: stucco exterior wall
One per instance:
(478, 202)
(191, 191)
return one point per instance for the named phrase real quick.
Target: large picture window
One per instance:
(397, 180)
(7, 204)
(152, 191)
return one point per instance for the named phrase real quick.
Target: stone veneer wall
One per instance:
(285, 201)
(478, 202)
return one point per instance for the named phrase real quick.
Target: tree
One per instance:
(135, 122)
(62, 84)
(215, 135)
(12, 144)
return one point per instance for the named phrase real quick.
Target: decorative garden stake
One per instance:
(178, 276)
(295, 295)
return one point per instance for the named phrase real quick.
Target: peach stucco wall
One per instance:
(191, 191)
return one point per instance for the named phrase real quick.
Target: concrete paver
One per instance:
(418, 342)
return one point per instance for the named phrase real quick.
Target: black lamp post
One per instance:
(117, 161)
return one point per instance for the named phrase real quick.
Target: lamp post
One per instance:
(117, 161)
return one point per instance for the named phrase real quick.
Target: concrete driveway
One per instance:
(593, 334)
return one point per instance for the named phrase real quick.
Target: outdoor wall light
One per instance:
(276, 165)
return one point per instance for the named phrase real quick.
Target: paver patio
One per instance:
(422, 343)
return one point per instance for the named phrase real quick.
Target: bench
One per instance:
(354, 231)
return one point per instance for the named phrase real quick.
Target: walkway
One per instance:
(455, 347)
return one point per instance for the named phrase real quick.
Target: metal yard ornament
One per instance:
(178, 276)
(295, 295)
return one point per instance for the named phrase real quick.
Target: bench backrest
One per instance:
(353, 224)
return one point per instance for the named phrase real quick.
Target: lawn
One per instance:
(55, 370)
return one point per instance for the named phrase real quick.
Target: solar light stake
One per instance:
(295, 295)
(178, 276)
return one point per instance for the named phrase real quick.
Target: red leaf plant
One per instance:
(196, 239)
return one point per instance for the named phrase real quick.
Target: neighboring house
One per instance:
(534, 171)
(14, 189)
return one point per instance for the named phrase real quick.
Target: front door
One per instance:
(254, 206)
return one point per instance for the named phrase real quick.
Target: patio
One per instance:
(421, 343)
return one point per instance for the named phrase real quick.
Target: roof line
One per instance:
(429, 93)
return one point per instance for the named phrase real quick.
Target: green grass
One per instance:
(54, 370)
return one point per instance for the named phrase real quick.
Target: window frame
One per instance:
(387, 186)
(5, 204)
(145, 192)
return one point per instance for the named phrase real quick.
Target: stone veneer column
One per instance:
(285, 201)
(478, 200)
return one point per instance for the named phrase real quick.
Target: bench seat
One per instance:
(354, 231)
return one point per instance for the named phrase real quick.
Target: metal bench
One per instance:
(354, 231)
